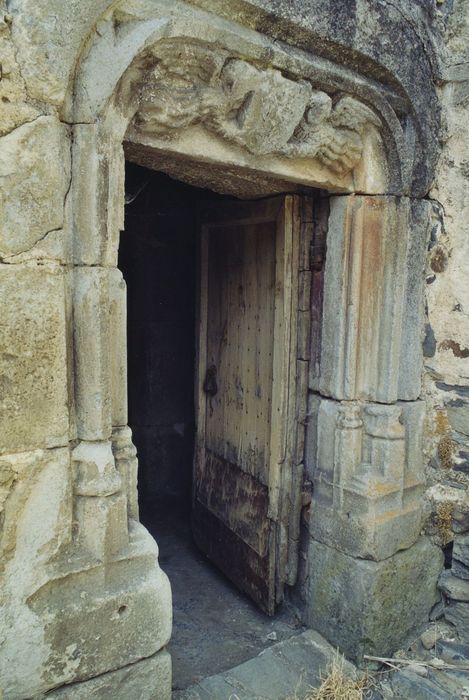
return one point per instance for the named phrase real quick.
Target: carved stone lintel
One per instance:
(258, 109)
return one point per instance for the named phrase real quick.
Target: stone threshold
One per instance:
(288, 669)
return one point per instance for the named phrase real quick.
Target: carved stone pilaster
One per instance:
(347, 448)
(367, 474)
(92, 373)
(118, 347)
(372, 316)
(100, 509)
(125, 455)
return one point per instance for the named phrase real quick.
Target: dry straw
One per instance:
(335, 685)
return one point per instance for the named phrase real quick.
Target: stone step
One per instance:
(288, 669)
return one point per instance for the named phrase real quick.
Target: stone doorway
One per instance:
(215, 626)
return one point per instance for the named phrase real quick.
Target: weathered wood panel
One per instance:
(239, 500)
(250, 572)
(247, 463)
(241, 291)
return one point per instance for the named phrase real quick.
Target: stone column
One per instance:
(124, 451)
(100, 508)
(371, 577)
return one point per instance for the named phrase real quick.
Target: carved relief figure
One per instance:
(257, 108)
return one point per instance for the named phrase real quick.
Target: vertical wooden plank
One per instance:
(291, 231)
(281, 339)
(305, 231)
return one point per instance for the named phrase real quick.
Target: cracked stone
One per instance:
(35, 176)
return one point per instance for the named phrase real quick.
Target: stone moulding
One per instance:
(366, 463)
(266, 105)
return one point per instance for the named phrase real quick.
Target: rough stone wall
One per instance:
(446, 346)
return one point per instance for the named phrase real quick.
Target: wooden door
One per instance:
(245, 390)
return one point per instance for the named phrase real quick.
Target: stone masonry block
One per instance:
(35, 176)
(367, 607)
(96, 618)
(373, 298)
(365, 461)
(35, 524)
(149, 679)
(102, 523)
(33, 359)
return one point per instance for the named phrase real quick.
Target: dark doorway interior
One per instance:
(215, 626)
(157, 258)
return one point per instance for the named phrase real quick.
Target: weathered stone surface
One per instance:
(98, 180)
(93, 619)
(290, 668)
(447, 291)
(367, 607)
(36, 521)
(406, 684)
(118, 341)
(454, 587)
(33, 358)
(366, 465)
(452, 651)
(100, 507)
(125, 455)
(14, 109)
(458, 615)
(373, 312)
(48, 50)
(92, 353)
(460, 565)
(460, 522)
(35, 493)
(149, 679)
(35, 174)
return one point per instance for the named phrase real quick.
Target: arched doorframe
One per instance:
(363, 451)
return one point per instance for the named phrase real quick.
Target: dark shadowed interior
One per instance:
(157, 259)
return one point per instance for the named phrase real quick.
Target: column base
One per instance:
(149, 679)
(101, 617)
